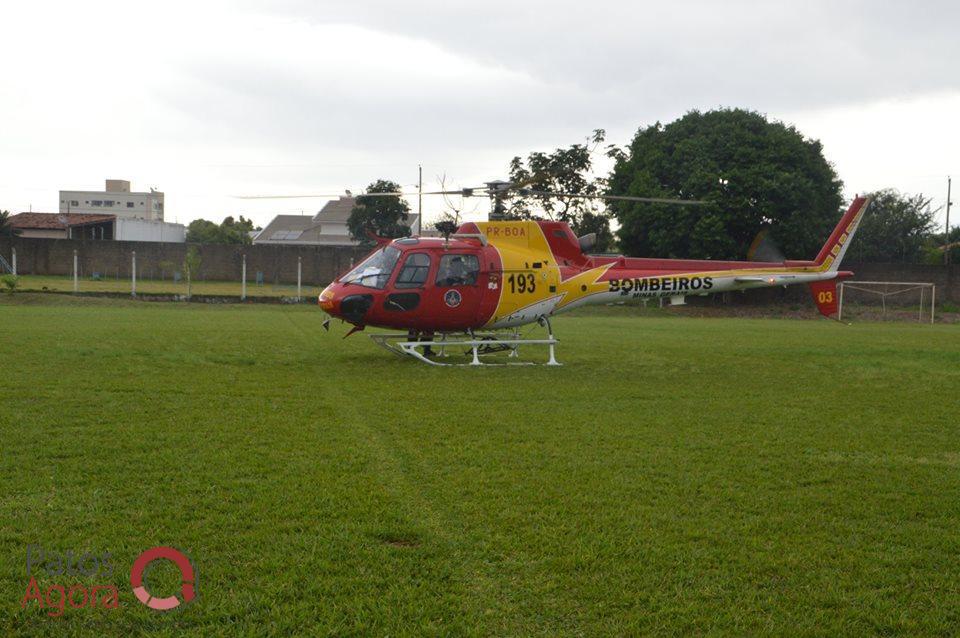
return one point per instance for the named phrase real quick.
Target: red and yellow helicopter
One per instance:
(475, 288)
(465, 290)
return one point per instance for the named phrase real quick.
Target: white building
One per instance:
(127, 229)
(117, 200)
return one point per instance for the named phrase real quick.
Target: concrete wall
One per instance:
(44, 233)
(321, 264)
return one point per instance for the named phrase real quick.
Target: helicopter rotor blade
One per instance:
(336, 195)
(624, 198)
(502, 190)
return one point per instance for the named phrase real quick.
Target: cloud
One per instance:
(769, 55)
(208, 99)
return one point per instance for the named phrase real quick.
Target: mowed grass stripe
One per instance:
(676, 475)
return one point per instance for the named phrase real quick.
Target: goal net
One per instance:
(903, 300)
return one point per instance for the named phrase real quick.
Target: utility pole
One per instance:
(946, 240)
(420, 201)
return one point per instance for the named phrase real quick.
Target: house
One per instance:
(327, 228)
(67, 226)
(97, 227)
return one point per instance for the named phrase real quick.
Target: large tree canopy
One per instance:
(566, 170)
(384, 215)
(755, 173)
(894, 229)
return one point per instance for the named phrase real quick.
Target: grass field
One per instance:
(47, 283)
(676, 476)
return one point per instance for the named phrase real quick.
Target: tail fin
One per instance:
(825, 296)
(833, 251)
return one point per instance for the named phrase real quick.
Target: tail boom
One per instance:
(836, 247)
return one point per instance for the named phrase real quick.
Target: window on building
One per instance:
(129, 204)
(97, 202)
(74, 202)
(108, 202)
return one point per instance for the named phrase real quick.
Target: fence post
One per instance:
(13, 263)
(299, 272)
(76, 284)
(133, 274)
(840, 304)
(243, 280)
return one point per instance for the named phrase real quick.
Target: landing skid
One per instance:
(477, 344)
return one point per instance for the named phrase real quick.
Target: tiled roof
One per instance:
(56, 221)
(337, 210)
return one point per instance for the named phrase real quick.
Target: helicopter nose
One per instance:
(352, 308)
(328, 299)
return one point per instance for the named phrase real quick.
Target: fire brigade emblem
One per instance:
(452, 298)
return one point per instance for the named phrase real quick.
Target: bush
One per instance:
(10, 282)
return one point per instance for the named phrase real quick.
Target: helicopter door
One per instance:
(456, 293)
(405, 298)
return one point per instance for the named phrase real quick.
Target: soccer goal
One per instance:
(884, 290)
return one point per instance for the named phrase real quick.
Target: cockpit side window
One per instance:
(414, 271)
(375, 270)
(458, 270)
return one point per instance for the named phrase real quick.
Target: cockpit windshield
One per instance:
(374, 271)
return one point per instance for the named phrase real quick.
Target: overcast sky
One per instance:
(205, 100)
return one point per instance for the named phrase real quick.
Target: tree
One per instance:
(230, 231)
(10, 283)
(381, 215)
(935, 247)
(754, 173)
(894, 228)
(6, 229)
(203, 231)
(566, 170)
(191, 266)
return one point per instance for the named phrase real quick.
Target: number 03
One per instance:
(825, 297)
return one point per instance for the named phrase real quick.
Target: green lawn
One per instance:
(38, 283)
(676, 476)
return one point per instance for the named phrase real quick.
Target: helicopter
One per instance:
(476, 287)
